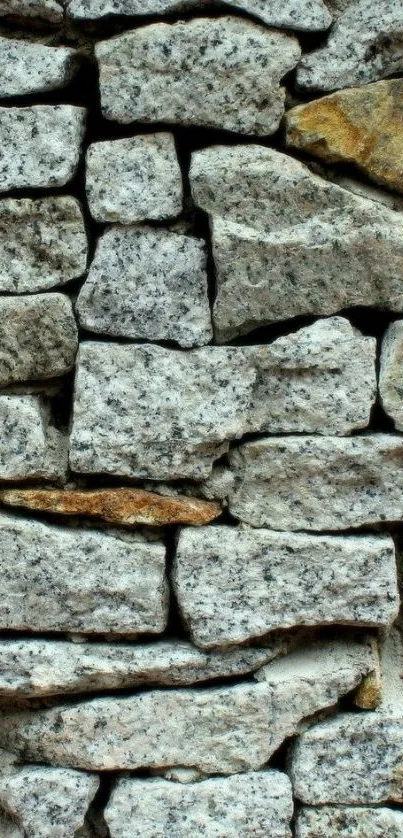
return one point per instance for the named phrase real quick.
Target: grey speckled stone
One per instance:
(219, 730)
(148, 283)
(233, 584)
(287, 242)
(38, 337)
(134, 179)
(391, 373)
(34, 68)
(62, 579)
(364, 45)
(316, 483)
(258, 804)
(50, 11)
(39, 146)
(42, 243)
(29, 444)
(216, 72)
(348, 822)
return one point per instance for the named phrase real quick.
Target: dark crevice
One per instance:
(95, 822)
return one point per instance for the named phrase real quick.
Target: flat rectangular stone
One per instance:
(28, 68)
(348, 822)
(30, 446)
(80, 580)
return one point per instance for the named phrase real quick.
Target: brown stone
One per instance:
(116, 506)
(361, 125)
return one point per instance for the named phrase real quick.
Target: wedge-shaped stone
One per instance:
(50, 11)
(33, 68)
(391, 373)
(348, 822)
(217, 731)
(40, 146)
(30, 446)
(148, 283)
(363, 126)
(364, 45)
(60, 579)
(42, 243)
(236, 583)
(38, 337)
(318, 483)
(216, 72)
(258, 804)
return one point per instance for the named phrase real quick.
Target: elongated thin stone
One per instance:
(391, 373)
(34, 68)
(348, 822)
(30, 446)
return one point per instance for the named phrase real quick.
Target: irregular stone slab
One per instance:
(80, 580)
(391, 373)
(362, 126)
(34, 68)
(30, 446)
(148, 283)
(216, 72)
(217, 730)
(42, 243)
(134, 179)
(348, 822)
(38, 337)
(259, 803)
(233, 584)
(50, 11)
(39, 146)
(317, 483)
(287, 242)
(364, 45)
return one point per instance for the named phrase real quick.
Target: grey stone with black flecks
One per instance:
(27, 68)
(30, 445)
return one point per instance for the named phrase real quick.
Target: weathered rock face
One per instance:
(348, 823)
(33, 68)
(30, 447)
(287, 242)
(40, 145)
(318, 483)
(236, 583)
(362, 126)
(217, 731)
(42, 243)
(38, 337)
(8, 828)
(148, 283)
(134, 179)
(50, 11)
(80, 580)
(215, 72)
(259, 803)
(391, 373)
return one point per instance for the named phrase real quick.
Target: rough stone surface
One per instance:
(8, 827)
(318, 483)
(391, 373)
(215, 72)
(38, 337)
(50, 11)
(363, 126)
(219, 730)
(348, 822)
(286, 242)
(40, 145)
(364, 45)
(30, 447)
(148, 283)
(33, 68)
(42, 243)
(236, 583)
(134, 179)
(60, 579)
(258, 804)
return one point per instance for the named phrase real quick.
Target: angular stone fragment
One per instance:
(39, 146)
(391, 373)
(217, 730)
(30, 447)
(33, 68)
(50, 11)
(60, 579)
(148, 283)
(316, 483)
(363, 126)
(134, 179)
(42, 243)
(38, 337)
(364, 45)
(258, 804)
(233, 584)
(216, 72)
(348, 822)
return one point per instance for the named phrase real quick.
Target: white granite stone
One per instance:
(348, 822)
(30, 445)
(34, 68)
(391, 373)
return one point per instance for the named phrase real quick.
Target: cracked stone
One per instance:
(30, 446)
(34, 68)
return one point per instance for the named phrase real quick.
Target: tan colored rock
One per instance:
(362, 125)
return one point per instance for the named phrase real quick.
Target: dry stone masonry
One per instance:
(201, 418)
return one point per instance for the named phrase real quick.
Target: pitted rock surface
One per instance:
(34, 68)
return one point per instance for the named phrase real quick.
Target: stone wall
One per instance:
(201, 416)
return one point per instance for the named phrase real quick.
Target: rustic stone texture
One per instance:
(219, 730)
(60, 579)
(8, 828)
(42, 243)
(364, 45)
(363, 126)
(148, 283)
(134, 179)
(30, 447)
(348, 822)
(391, 373)
(318, 483)
(34, 68)
(38, 337)
(258, 804)
(216, 72)
(39, 145)
(287, 242)
(233, 584)
(50, 11)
